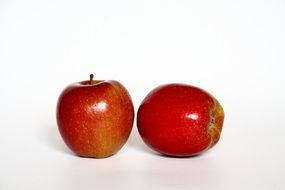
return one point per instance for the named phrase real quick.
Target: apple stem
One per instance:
(91, 79)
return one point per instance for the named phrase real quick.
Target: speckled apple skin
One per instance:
(180, 120)
(95, 120)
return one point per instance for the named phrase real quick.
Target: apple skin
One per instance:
(95, 118)
(180, 120)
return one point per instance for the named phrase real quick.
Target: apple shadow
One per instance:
(135, 141)
(53, 139)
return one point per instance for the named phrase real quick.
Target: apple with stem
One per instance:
(180, 120)
(95, 117)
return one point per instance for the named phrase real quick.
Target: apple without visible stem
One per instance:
(180, 120)
(95, 118)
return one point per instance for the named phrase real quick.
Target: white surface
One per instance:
(233, 49)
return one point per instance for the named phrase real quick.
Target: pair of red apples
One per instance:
(95, 118)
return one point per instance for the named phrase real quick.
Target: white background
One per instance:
(233, 49)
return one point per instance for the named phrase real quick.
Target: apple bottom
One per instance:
(96, 142)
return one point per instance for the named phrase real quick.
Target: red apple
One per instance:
(180, 120)
(95, 118)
